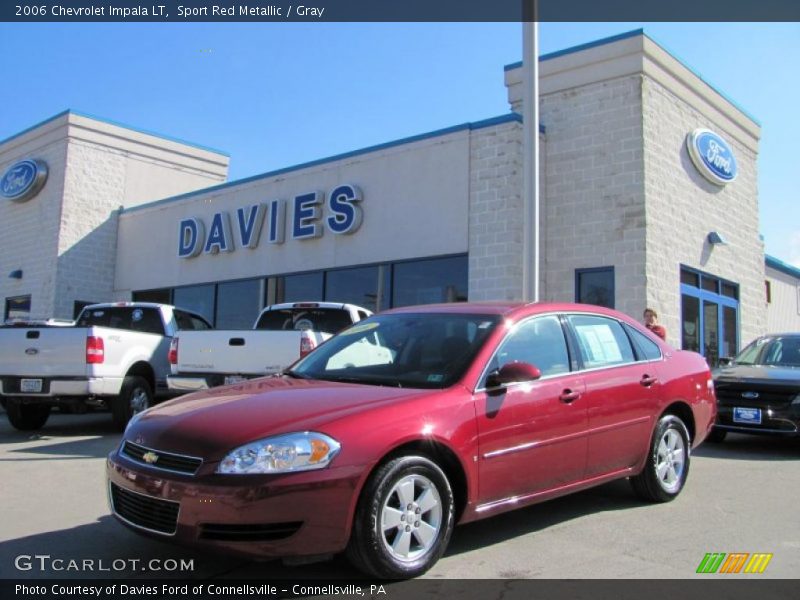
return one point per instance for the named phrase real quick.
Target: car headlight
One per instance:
(287, 453)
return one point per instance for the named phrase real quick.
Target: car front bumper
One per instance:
(258, 516)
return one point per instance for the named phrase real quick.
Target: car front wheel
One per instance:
(667, 466)
(404, 519)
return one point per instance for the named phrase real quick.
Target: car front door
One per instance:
(532, 435)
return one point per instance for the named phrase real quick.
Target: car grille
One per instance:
(249, 532)
(153, 514)
(730, 395)
(164, 460)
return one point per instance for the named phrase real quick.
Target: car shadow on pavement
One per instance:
(613, 496)
(751, 447)
(105, 549)
(61, 425)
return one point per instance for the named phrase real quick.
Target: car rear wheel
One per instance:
(404, 519)
(716, 436)
(134, 397)
(667, 467)
(27, 417)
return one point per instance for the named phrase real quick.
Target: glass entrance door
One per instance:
(709, 315)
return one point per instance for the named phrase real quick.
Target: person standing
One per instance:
(651, 322)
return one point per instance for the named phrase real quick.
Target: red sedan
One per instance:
(416, 419)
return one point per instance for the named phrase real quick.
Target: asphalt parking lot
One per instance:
(742, 496)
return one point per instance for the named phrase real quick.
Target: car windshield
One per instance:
(430, 350)
(776, 352)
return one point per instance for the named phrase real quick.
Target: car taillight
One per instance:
(307, 343)
(95, 350)
(172, 356)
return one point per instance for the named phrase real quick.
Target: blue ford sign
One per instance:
(712, 156)
(23, 180)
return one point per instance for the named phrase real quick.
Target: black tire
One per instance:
(662, 479)
(716, 436)
(27, 417)
(134, 396)
(369, 549)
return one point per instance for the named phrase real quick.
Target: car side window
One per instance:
(540, 342)
(648, 349)
(601, 341)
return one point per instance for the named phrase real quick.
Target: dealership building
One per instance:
(648, 198)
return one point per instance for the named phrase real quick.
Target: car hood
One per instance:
(209, 424)
(758, 374)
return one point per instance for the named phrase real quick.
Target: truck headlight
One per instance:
(303, 451)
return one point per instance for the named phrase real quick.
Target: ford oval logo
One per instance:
(750, 395)
(712, 156)
(31, 351)
(23, 180)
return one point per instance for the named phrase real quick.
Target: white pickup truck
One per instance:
(282, 333)
(115, 356)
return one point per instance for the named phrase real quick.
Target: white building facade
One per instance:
(631, 215)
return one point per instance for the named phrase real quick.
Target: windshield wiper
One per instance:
(292, 374)
(380, 382)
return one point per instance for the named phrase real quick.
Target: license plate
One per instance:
(233, 379)
(747, 415)
(30, 386)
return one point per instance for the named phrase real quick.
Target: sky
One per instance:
(274, 95)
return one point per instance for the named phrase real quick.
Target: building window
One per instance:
(768, 289)
(238, 304)
(299, 288)
(709, 315)
(18, 307)
(363, 286)
(430, 281)
(162, 296)
(595, 286)
(197, 299)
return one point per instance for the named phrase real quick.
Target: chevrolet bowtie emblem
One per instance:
(150, 457)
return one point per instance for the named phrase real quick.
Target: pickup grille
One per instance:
(147, 512)
(166, 461)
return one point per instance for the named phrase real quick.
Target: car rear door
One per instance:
(532, 436)
(622, 393)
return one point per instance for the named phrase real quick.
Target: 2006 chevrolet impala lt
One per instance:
(384, 437)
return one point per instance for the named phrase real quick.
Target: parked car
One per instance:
(758, 391)
(115, 356)
(462, 412)
(281, 334)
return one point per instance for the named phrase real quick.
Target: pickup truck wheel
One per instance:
(134, 397)
(27, 417)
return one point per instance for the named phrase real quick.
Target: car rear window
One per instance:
(326, 320)
(132, 318)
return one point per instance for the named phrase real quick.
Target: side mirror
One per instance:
(513, 372)
(725, 361)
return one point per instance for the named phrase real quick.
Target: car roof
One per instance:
(507, 309)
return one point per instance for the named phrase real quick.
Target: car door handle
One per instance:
(647, 381)
(568, 396)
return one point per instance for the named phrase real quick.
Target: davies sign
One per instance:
(23, 180)
(712, 156)
(342, 216)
